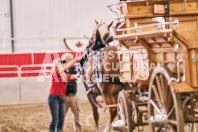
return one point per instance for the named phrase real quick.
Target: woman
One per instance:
(56, 102)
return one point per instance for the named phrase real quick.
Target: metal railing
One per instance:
(7, 70)
(11, 71)
(19, 69)
(176, 23)
(43, 69)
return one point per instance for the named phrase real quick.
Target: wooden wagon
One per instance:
(159, 59)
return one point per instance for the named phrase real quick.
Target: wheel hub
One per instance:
(159, 120)
(118, 125)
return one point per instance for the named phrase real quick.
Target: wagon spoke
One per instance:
(156, 94)
(121, 111)
(155, 106)
(166, 88)
(167, 92)
(171, 111)
(174, 122)
(171, 128)
(162, 82)
(169, 101)
(160, 89)
(158, 129)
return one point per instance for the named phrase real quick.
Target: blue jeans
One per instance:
(57, 109)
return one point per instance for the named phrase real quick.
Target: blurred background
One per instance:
(33, 33)
(40, 25)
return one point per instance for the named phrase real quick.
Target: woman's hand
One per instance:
(78, 59)
(71, 63)
(77, 75)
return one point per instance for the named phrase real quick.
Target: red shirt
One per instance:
(58, 86)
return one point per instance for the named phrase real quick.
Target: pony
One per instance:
(101, 74)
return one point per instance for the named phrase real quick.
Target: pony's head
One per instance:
(101, 33)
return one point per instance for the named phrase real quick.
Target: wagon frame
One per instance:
(158, 58)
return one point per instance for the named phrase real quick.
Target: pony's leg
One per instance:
(95, 112)
(109, 100)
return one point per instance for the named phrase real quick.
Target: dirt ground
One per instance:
(36, 118)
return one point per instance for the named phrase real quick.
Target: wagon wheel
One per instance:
(165, 110)
(190, 110)
(192, 127)
(124, 111)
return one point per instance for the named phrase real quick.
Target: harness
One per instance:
(98, 66)
(98, 77)
(98, 74)
(96, 49)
